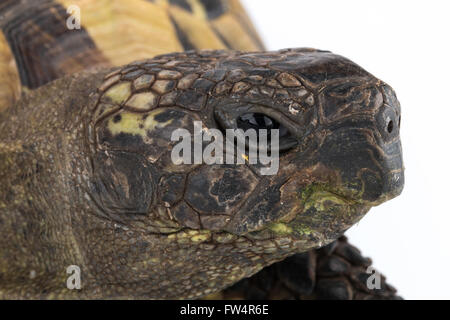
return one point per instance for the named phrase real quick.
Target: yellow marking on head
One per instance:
(104, 108)
(129, 123)
(281, 228)
(133, 123)
(192, 235)
(118, 93)
(200, 238)
(193, 232)
(142, 101)
(321, 199)
(172, 236)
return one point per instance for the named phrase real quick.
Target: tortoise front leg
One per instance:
(337, 271)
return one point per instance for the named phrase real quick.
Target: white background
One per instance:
(406, 44)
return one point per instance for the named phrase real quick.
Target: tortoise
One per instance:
(87, 117)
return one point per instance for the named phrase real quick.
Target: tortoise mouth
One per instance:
(323, 216)
(325, 212)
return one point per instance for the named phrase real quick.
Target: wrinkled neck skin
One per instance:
(42, 141)
(77, 189)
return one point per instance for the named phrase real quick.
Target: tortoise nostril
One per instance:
(390, 126)
(387, 123)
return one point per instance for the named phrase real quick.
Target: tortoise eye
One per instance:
(257, 118)
(260, 121)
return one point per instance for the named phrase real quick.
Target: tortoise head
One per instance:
(334, 151)
(159, 168)
(338, 152)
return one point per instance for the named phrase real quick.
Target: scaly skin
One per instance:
(87, 178)
(337, 271)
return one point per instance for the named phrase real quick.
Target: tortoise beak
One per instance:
(370, 166)
(370, 170)
(364, 146)
(390, 150)
(387, 121)
(388, 182)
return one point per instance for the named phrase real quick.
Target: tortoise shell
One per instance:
(37, 44)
